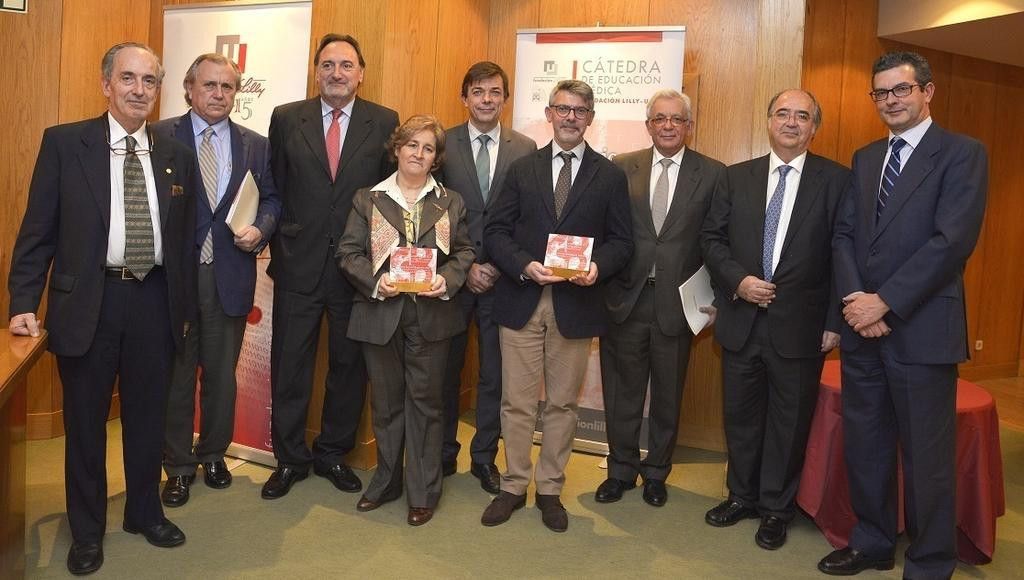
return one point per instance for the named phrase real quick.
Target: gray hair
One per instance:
(672, 95)
(578, 88)
(216, 58)
(815, 114)
(107, 64)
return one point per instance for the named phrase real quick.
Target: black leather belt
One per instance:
(123, 273)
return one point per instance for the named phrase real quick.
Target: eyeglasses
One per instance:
(899, 91)
(564, 110)
(660, 120)
(124, 150)
(784, 115)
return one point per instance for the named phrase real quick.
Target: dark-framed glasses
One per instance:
(675, 120)
(564, 110)
(899, 91)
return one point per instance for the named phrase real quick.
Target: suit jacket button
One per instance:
(478, 244)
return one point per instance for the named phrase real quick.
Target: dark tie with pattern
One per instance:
(139, 255)
(483, 166)
(889, 175)
(208, 168)
(564, 182)
(771, 222)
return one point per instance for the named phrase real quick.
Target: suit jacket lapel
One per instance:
(588, 168)
(389, 210)
(920, 164)
(464, 151)
(239, 146)
(433, 208)
(164, 176)
(501, 166)
(311, 125)
(870, 178)
(686, 184)
(359, 128)
(639, 189)
(542, 167)
(95, 159)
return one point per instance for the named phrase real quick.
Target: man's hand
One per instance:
(437, 288)
(876, 330)
(481, 278)
(541, 275)
(24, 324)
(587, 279)
(250, 237)
(755, 290)
(385, 288)
(710, 311)
(829, 340)
(864, 310)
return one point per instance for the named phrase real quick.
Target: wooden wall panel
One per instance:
(461, 42)
(410, 51)
(573, 14)
(506, 19)
(981, 99)
(363, 20)
(780, 28)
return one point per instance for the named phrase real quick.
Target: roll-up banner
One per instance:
(270, 43)
(624, 66)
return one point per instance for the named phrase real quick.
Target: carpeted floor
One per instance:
(315, 532)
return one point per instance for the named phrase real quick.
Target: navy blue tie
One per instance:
(771, 222)
(889, 175)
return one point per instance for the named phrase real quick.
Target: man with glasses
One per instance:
(670, 190)
(321, 150)
(904, 232)
(767, 242)
(225, 152)
(479, 154)
(547, 322)
(112, 209)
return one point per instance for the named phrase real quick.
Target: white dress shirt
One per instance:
(116, 236)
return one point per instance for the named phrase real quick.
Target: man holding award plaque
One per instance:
(234, 165)
(567, 197)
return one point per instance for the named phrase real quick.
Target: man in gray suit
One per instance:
(670, 190)
(480, 151)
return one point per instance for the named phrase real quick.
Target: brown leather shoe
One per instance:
(553, 512)
(500, 510)
(366, 504)
(419, 515)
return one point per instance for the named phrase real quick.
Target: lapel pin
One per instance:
(168, 170)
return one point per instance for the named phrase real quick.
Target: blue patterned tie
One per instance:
(889, 175)
(771, 222)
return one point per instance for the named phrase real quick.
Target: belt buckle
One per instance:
(126, 274)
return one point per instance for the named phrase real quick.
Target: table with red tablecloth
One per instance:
(824, 490)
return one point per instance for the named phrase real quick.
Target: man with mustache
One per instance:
(767, 244)
(547, 322)
(321, 151)
(479, 154)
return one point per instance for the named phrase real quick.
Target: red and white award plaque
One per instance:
(413, 269)
(567, 256)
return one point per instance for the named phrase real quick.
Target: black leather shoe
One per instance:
(611, 490)
(728, 513)
(487, 473)
(655, 493)
(771, 534)
(162, 535)
(847, 562)
(552, 512)
(449, 468)
(281, 481)
(501, 508)
(175, 493)
(341, 476)
(216, 474)
(84, 558)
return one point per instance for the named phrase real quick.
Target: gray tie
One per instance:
(659, 204)
(208, 167)
(139, 255)
(564, 182)
(483, 166)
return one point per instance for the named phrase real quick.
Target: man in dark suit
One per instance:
(479, 153)
(767, 244)
(112, 209)
(225, 152)
(906, 227)
(548, 322)
(322, 150)
(670, 189)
